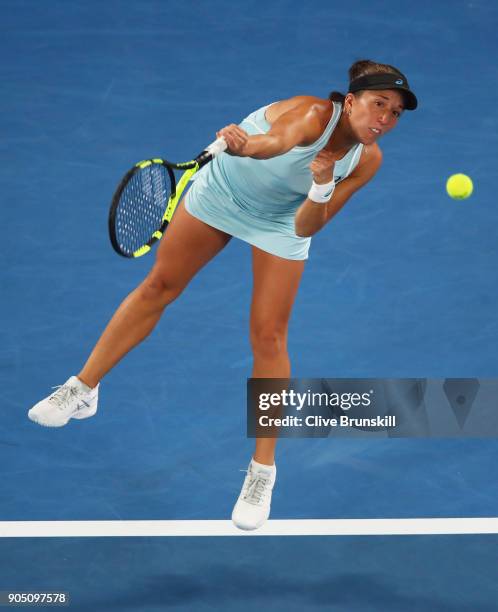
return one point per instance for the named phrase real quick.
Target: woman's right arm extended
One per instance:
(301, 125)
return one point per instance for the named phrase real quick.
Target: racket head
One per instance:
(138, 206)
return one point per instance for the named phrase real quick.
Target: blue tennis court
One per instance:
(402, 283)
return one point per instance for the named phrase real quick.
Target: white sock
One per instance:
(85, 388)
(258, 467)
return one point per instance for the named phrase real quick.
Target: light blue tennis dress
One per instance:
(256, 199)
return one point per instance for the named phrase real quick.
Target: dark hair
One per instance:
(362, 68)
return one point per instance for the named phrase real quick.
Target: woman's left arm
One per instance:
(312, 216)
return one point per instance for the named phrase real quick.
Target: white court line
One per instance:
(306, 527)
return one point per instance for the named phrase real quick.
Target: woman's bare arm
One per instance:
(311, 217)
(299, 126)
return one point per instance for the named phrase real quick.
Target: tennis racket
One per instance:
(146, 199)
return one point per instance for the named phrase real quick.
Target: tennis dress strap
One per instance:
(326, 134)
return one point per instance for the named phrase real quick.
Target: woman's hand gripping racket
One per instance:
(146, 199)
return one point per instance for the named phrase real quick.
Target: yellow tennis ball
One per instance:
(459, 186)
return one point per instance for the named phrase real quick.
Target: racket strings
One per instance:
(141, 207)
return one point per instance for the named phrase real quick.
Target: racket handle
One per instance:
(217, 147)
(214, 149)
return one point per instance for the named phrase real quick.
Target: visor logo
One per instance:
(399, 82)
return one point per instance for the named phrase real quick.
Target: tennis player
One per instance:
(289, 168)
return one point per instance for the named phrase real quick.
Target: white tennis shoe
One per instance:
(72, 400)
(253, 505)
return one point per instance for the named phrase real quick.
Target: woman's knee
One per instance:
(269, 339)
(158, 287)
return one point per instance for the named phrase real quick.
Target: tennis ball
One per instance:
(459, 186)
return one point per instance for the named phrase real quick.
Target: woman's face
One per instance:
(374, 113)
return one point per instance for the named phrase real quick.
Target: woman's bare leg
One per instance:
(276, 281)
(186, 247)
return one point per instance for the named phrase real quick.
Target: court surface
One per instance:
(402, 283)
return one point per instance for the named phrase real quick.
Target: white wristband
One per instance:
(321, 194)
